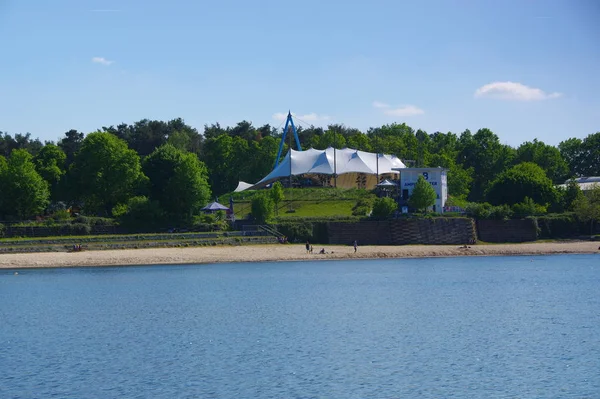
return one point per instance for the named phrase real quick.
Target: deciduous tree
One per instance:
(277, 195)
(25, 193)
(106, 172)
(423, 195)
(178, 181)
(523, 180)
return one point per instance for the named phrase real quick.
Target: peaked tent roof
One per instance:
(215, 206)
(387, 183)
(347, 160)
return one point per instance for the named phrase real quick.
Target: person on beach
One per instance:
(355, 246)
(311, 249)
(307, 247)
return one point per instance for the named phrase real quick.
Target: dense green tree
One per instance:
(523, 180)
(213, 131)
(582, 156)
(571, 193)
(361, 142)
(486, 155)
(50, 164)
(306, 135)
(140, 213)
(3, 167)
(459, 179)
(106, 172)
(24, 192)
(261, 158)
(19, 141)
(218, 156)
(261, 208)
(590, 164)
(277, 195)
(331, 138)
(546, 156)
(71, 144)
(146, 135)
(178, 181)
(423, 195)
(587, 206)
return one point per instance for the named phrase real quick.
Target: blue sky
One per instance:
(525, 69)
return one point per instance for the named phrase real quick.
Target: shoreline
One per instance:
(278, 252)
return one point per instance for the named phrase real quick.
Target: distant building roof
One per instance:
(585, 182)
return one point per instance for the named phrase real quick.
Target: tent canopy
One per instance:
(347, 160)
(215, 206)
(387, 183)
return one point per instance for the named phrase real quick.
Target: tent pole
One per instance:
(291, 172)
(334, 162)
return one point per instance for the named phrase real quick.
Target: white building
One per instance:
(584, 183)
(437, 177)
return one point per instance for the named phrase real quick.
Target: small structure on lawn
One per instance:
(214, 207)
(387, 187)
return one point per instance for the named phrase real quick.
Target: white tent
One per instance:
(313, 161)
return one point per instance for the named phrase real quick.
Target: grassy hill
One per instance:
(303, 202)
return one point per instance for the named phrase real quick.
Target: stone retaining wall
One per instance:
(514, 230)
(404, 231)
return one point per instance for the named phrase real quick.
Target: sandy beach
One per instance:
(260, 253)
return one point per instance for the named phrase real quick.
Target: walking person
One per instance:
(307, 246)
(355, 246)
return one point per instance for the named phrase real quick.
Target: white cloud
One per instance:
(101, 60)
(513, 91)
(312, 117)
(404, 110)
(378, 104)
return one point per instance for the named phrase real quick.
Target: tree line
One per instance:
(170, 169)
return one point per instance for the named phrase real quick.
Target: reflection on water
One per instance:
(430, 328)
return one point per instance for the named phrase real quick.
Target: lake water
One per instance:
(496, 327)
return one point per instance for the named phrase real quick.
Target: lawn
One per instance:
(303, 208)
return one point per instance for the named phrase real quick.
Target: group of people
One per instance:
(77, 247)
(309, 248)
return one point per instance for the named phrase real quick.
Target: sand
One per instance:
(278, 252)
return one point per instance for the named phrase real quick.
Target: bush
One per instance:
(297, 231)
(478, 210)
(482, 211)
(363, 207)
(140, 213)
(2, 229)
(528, 208)
(560, 225)
(79, 229)
(304, 231)
(61, 215)
(500, 212)
(383, 208)
(262, 208)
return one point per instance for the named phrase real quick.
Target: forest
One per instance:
(168, 169)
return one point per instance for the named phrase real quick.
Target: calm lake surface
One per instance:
(494, 327)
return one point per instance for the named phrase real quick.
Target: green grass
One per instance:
(306, 208)
(303, 194)
(317, 208)
(307, 202)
